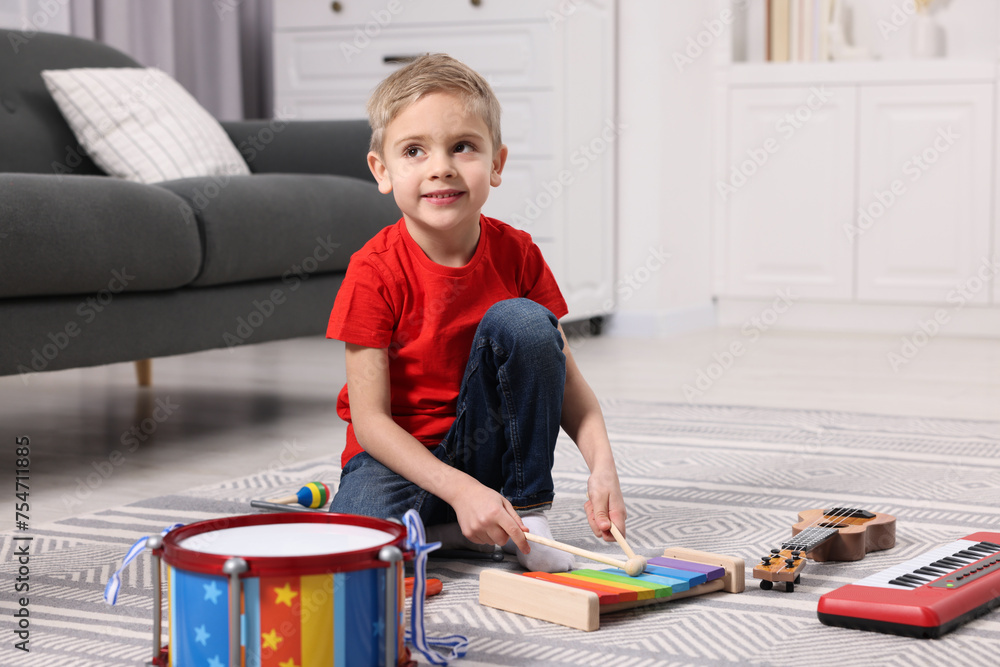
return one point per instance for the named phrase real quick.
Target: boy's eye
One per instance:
(464, 147)
(412, 151)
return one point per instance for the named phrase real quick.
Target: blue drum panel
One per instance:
(199, 623)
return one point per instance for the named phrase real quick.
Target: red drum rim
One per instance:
(263, 566)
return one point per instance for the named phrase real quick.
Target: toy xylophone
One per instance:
(577, 599)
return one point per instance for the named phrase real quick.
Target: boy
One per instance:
(431, 425)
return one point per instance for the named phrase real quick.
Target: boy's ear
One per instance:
(380, 172)
(499, 160)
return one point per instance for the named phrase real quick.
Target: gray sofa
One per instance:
(96, 270)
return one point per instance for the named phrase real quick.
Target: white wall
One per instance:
(665, 167)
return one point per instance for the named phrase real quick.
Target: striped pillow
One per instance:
(141, 125)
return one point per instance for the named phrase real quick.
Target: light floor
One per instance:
(98, 441)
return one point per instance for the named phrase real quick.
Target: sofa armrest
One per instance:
(337, 147)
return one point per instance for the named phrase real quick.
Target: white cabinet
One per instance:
(881, 205)
(924, 190)
(787, 185)
(551, 64)
(871, 193)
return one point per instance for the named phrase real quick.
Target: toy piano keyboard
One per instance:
(577, 599)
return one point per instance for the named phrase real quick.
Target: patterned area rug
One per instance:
(727, 480)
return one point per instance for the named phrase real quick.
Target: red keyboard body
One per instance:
(925, 596)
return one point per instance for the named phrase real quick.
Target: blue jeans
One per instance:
(505, 429)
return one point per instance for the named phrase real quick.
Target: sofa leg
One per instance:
(144, 372)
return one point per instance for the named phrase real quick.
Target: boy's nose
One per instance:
(441, 166)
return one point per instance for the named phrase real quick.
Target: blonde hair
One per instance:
(431, 73)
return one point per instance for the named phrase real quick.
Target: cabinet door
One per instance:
(787, 185)
(923, 211)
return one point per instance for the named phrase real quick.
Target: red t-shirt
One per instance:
(426, 314)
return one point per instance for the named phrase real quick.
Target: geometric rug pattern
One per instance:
(723, 479)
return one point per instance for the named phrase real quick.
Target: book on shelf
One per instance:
(795, 30)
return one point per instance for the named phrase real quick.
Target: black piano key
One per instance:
(943, 565)
(930, 571)
(996, 547)
(919, 581)
(982, 547)
(899, 581)
(970, 554)
(954, 562)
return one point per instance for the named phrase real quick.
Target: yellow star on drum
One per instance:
(271, 640)
(285, 595)
(290, 663)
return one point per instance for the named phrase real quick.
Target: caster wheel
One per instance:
(766, 585)
(789, 587)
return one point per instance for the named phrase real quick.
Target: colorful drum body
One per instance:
(314, 591)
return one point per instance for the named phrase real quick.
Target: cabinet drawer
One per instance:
(370, 16)
(509, 57)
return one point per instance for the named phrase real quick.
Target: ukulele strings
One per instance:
(812, 531)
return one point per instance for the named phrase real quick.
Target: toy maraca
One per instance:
(312, 495)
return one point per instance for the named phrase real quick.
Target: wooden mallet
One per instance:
(635, 561)
(312, 495)
(633, 567)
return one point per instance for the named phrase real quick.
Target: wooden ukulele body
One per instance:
(855, 536)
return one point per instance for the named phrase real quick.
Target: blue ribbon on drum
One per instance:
(416, 541)
(115, 582)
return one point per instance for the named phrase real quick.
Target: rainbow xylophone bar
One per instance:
(577, 599)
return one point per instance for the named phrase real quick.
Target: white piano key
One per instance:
(882, 579)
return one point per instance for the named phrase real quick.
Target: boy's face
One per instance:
(439, 163)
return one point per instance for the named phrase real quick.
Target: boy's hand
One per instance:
(605, 504)
(486, 517)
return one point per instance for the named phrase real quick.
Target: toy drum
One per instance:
(284, 589)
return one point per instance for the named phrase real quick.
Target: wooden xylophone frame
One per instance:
(580, 609)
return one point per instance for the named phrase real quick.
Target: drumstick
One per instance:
(633, 558)
(632, 568)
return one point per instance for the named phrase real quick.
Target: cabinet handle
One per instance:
(398, 60)
(337, 6)
(476, 3)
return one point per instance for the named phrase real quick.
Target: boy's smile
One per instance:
(442, 197)
(439, 162)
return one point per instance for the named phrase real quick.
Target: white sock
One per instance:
(541, 558)
(450, 536)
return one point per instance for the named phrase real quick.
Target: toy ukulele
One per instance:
(838, 534)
